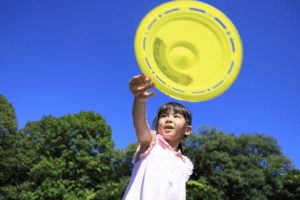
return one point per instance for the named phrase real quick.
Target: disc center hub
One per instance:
(183, 56)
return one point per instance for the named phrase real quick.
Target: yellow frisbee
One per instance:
(191, 50)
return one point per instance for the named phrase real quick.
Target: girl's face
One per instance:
(171, 126)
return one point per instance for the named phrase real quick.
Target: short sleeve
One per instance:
(146, 153)
(189, 168)
(134, 157)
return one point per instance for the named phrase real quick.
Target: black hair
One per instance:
(178, 108)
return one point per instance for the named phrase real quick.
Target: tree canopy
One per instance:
(244, 167)
(8, 122)
(17, 153)
(57, 158)
(70, 165)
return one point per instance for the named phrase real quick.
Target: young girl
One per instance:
(160, 170)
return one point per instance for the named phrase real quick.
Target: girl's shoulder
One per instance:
(153, 133)
(144, 148)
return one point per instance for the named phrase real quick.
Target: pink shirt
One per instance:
(160, 174)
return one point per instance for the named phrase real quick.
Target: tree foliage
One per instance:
(57, 158)
(8, 118)
(122, 166)
(71, 166)
(243, 167)
(17, 153)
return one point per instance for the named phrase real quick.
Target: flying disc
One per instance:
(190, 50)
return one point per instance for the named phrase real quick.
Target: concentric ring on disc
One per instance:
(191, 50)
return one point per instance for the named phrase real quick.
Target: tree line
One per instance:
(57, 158)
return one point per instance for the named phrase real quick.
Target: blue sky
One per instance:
(62, 57)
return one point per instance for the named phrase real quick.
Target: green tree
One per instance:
(29, 152)
(8, 119)
(243, 167)
(17, 154)
(112, 191)
(196, 190)
(71, 167)
(121, 162)
(290, 188)
(122, 166)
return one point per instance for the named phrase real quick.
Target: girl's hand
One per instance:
(139, 87)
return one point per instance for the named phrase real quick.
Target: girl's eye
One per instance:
(166, 115)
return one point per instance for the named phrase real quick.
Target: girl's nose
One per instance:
(169, 119)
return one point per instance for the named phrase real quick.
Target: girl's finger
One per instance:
(147, 87)
(139, 80)
(142, 90)
(139, 85)
(151, 94)
(145, 78)
(147, 95)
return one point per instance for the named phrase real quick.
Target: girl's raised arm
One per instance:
(139, 87)
(140, 123)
